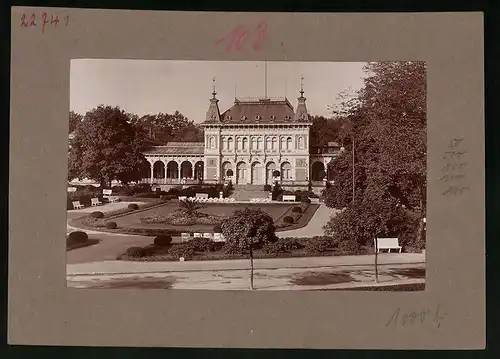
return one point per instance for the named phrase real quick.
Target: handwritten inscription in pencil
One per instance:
(454, 170)
(403, 319)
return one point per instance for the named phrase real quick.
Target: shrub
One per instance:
(291, 243)
(202, 244)
(305, 199)
(217, 228)
(287, 220)
(274, 248)
(168, 197)
(162, 241)
(276, 173)
(135, 252)
(316, 245)
(229, 172)
(77, 237)
(296, 209)
(133, 206)
(267, 188)
(97, 214)
(185, 250)
(111, 225)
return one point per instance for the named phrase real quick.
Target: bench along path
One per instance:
(315, 225)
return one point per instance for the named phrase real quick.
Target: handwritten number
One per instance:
(32, 20)
(44, 21)
(55, 20)
(67, 20)
(262, 32)
(24, 23)
(238, 36)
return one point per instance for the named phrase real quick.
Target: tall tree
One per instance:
(387, 130)
(106, 147)
(74, 120)
(324, 130)
(171, 127)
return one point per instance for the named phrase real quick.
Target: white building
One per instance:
(253, 138)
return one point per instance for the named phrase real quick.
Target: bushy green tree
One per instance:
(386, 126)
(106, 147)
(246, 228)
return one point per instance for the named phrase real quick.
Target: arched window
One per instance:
(286, 170)
(268, 143)
(212, 143)
(274, 143)
(259, 143)
(224, 143)
(230, 143)
(254, 143)
(289, 143)
(283, 143)
(301, 142)
(239, 145)
(245, 143)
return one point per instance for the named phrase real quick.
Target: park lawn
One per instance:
(133, 219)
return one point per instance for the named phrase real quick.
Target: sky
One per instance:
(153, 86)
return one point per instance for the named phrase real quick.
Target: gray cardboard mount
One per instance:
(42, 311)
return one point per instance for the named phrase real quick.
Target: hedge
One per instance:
(162, 241)
(133, 206)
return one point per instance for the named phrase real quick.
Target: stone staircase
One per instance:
(246, 192)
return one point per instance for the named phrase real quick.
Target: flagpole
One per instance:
(265, 68)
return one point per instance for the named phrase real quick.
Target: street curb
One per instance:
(231, 269)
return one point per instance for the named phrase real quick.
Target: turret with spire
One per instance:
(213, 113)
(301, 114)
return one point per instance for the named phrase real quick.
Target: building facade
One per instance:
(247, 144)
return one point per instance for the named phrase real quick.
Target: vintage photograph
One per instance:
(239, 175)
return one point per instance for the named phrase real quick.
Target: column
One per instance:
(179, 168)
(165, 170)
(152, 169)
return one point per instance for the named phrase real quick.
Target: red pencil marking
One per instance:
(32, 20)
(54, 21)
(24, 23)
(262, 32)
(44, 21)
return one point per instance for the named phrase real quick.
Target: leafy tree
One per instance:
(171, 127)
(74, 120)
(385, 126)
(324, 130)
(106, 147)
(245, 228)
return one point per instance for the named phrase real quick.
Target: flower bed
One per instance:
(180, 219)
(91, 221)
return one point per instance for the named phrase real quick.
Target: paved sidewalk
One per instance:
(315, 225)
(325, 278)
(112, 267)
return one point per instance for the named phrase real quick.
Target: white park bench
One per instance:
(77, 205)
(288, 198)
(95, 202)
(388, 243)
(106, 193)
(185, 237)
(197, 235)
(219, 237)
(201, 195)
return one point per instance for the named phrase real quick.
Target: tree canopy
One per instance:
(170, 127)
(324, 130)
(74, 120)
(246, 227)
(386, 126)
(106, 147)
